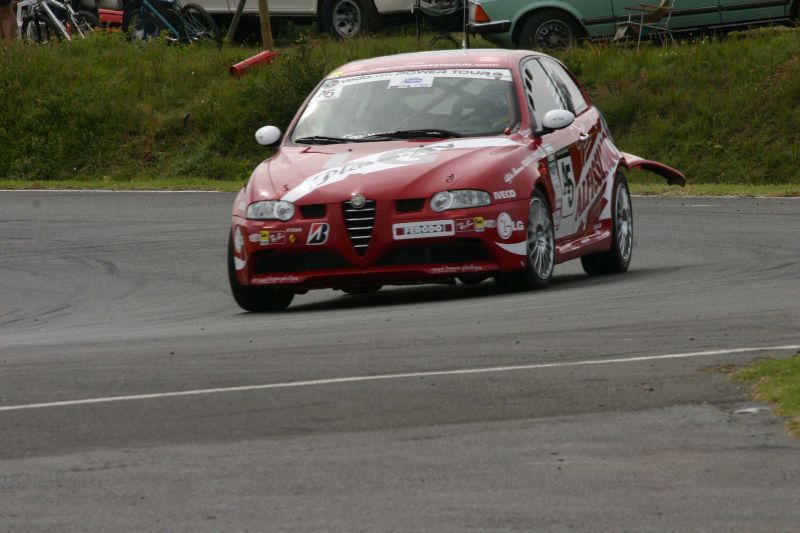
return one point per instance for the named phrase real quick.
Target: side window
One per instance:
(541, 94)
(575, 100)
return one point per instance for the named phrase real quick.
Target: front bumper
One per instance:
(403, 247)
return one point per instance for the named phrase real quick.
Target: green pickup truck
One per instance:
(544, 24)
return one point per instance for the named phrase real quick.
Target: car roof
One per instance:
(472, 58)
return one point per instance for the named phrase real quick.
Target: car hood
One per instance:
(379, 170)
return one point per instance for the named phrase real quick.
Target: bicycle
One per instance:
(145, 19)
(43, 20)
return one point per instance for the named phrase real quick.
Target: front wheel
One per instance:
(39, 29)
(540, 247)
(549, 29)
(86, 24)
(344, 19)
(255, 299)
(200, 26)
(618, 258)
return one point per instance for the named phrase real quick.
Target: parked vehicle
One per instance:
(432, 167)
(144, 19)
(44, 20)
(543, 24)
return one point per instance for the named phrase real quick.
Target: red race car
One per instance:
(432, 167)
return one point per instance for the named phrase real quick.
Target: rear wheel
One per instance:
(540, 250)
(39, 29)
(256, 299)
(618, 258)
(549, 29)
(200, 26)
(142, 24)
(349, 18)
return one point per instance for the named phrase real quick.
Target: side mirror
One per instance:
(557, 119)
(268, 135)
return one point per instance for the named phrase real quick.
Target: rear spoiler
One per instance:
(673, 176)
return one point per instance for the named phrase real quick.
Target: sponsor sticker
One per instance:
(274, 280)
(410, 81)
(254, 237)
(505, 195)
(460, 269)
(267, 237)
(423, 230)
(470, 224)
(318, 234)
(506, 225)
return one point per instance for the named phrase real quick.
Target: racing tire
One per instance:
(618, 258)
(372, 289)
(549, 29)
(201, 26)
(256, 299)
(540, 249)
(344, 19)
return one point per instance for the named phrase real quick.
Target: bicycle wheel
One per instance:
(37, 28)
(85, 23)
(200, 26)
(141, 24)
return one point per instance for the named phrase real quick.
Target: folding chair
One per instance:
(647, 19)
(440, 12)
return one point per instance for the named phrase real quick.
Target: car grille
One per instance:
(466, 250)
(269, 262)
(360, 224)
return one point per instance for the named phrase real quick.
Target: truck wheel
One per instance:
(344, 19)
(549, 29)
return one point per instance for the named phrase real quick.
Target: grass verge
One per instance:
(777, 381)
(114, 114)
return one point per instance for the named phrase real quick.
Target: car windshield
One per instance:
(410, 104)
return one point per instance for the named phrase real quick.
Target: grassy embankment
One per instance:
(106, 113)
(777, 381)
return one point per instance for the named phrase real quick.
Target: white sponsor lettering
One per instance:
(423, 230)
(506, 226)
(505, 195)
(381, 161)
(461, 269)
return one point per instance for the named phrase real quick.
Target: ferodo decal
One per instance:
(318, 234)
(423, 230)
(381, 161)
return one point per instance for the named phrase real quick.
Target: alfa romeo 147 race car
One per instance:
(429, 168)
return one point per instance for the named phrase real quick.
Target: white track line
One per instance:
(380, 377)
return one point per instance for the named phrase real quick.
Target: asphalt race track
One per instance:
(430, 408)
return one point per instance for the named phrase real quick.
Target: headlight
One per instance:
(442, 201)
(270, 210)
